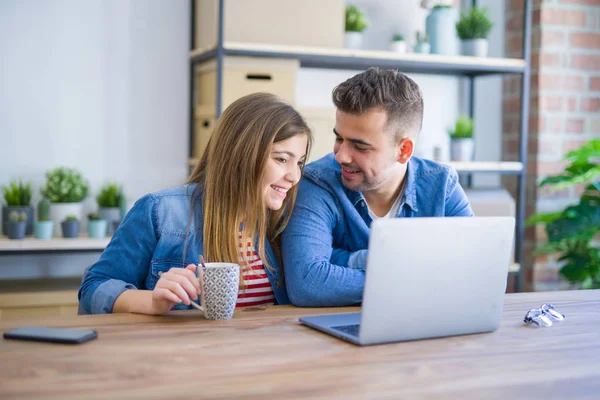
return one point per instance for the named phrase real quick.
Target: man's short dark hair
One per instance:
(384, 89)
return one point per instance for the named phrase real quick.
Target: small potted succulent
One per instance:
(44, 226)
(398, 45)
(66, 189)
(17, 225)
(422, 44)
(356, 23)
(462, 146)
(473, 30)
(17, 196)
(96, 226)
(70, 226)
(109, 203)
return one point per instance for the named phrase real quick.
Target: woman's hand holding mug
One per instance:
(177, 285)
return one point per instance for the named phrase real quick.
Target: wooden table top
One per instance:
(266, 353)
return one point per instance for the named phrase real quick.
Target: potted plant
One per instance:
(96, 226)
(17, 196)
(440, 28)
(398, 44)
(422, 44)
(109, 202)
(356, 23)
(70, 226)
(44, 226)
(571, 232)
(473, 30)
(462, 146)
(17, 225)
(66, 189)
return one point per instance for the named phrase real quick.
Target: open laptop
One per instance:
(427, 278)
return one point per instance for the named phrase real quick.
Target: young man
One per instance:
(371, 174)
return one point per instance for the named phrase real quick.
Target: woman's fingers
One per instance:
(177, 289)
(187, 279)
(166, 294)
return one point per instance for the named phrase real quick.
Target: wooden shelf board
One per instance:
(352, 58)
(56, 243)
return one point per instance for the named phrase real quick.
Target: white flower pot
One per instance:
(462, 149)
(398, 46)
(475, 47)
(59, 211)
(353, 40)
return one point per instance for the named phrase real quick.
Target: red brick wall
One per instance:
(564, 108)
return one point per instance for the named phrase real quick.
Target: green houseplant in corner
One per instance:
(66, 189)
(17, 196)
(356, 23)
(109, 201)
(462, 146)
(473, 30)
(572, 232)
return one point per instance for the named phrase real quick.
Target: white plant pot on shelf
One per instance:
(398, 47)
(462, 149)
(59, 211)
(475, 47)
(353, 40)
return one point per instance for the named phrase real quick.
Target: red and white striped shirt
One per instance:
(258, 290)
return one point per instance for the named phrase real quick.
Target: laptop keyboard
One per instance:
(348, 329)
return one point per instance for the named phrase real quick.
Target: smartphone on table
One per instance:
(55, 335)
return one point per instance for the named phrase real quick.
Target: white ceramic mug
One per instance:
(220, 283)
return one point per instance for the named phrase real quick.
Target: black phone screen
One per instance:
(57, 335)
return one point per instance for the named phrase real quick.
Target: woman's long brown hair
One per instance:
(229, 176)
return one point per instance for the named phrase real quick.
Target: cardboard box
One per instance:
(317, 23)
(245, 75)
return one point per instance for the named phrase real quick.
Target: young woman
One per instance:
(233, 209)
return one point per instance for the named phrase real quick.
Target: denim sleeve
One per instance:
(352, 259)
(125, 262)
(457, 203)
(312, 279)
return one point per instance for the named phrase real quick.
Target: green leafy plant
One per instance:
(398, 38)
(463, 129)
(17, 193)
(356, 21)
(65, 185)
(17, 216)
(94, 217)
(571, 231)
(474, 24)
(71, 218)
(110, 195)
(422, 38)
(44, 210)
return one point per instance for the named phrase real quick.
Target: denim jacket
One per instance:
(148, 242)
(324, 246)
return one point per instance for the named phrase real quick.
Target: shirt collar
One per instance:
(410, 192)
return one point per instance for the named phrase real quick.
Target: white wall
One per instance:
(98, 85)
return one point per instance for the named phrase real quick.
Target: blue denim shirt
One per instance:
(324, 246)
(148, 242)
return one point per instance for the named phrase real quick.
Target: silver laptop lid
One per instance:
(431, 277)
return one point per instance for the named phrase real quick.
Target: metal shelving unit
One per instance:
(462, 66)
